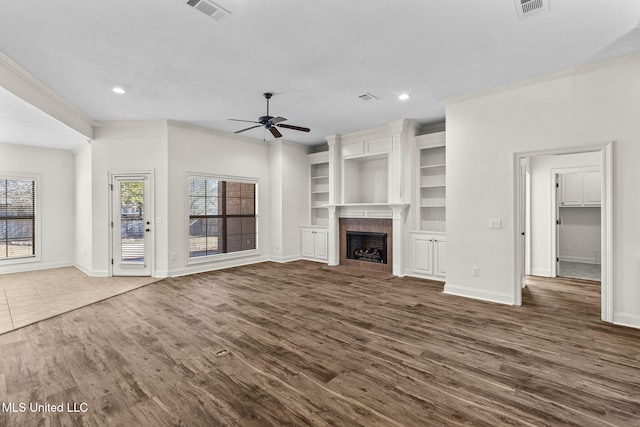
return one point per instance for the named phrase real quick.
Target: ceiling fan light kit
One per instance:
(270, 122)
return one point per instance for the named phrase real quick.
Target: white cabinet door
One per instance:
(308, 243)
(440, 258)
(320, 244)
(423, 256)
(591, 193)
(571, 189)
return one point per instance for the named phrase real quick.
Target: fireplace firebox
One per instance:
(367, 246)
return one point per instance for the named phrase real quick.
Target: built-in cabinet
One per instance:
(580, 189)
(315, 235)
(428, 243)
(315, 243)
(431, 185)
(429, 255)
(319, 188)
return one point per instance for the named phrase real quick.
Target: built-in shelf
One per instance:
(319, 189)
(431, 188)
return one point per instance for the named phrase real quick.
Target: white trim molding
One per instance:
(627, 319)
(479, 294)
(606, 229)
(24, 85)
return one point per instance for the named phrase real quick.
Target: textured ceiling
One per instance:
(316, 57)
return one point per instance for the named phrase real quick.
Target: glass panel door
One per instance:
(131, 226)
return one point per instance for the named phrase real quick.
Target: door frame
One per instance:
(150, 250)
(606, 221)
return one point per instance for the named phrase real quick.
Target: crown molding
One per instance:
(568, 72)
(26, 86)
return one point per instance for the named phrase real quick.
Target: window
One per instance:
(17, 218)
(222, 216)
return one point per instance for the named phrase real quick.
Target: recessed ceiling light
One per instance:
(404, 96)
(119, 90)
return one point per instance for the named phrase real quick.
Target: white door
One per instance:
(320, 246)
(440, 258)
(522, 205)
(423, 255)
(308, 243)
(571, 186)
(131, 225)
(592, 192)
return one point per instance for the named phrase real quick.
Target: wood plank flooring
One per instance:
(298, 345)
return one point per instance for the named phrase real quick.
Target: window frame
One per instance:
(225, 255)
(37, 223)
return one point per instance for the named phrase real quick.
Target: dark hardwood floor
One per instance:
(296, 344)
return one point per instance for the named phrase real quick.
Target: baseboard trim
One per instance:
(161, 274)
(479, 294)
(25, 267)
(626, 319)
(543, 273)
(202, 268)
(584, 260)
(286, 259)
(85, 270)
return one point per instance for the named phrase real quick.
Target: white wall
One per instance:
(83, 205)
(199, 150)
(597, 105)
(542, 226)
(56, 195)
(128, 147)
(579, 235)
(275, 199)
(295, 198)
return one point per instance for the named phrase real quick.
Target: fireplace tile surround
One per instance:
(366, 225)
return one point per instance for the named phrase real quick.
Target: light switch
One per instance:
(495, 223)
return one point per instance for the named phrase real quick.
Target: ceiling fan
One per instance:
(270, 123)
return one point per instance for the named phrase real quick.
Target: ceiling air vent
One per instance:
(367, 97)
(210, 9)
(527, 8)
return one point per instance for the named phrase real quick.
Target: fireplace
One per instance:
(367, 246)
(366, 243)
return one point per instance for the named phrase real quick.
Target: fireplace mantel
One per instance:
(372, 210)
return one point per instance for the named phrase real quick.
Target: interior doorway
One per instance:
(577, 220)
(131, 225)
(526, 249)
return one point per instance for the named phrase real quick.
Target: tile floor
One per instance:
(579, 270)
(33, 296)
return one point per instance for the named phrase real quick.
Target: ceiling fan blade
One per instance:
(278, 119)
(248, 121)
(275, 132)
(252, 127)
(301, 129)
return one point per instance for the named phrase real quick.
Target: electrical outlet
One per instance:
(475, 271)
(566, 248)
(174, 255)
